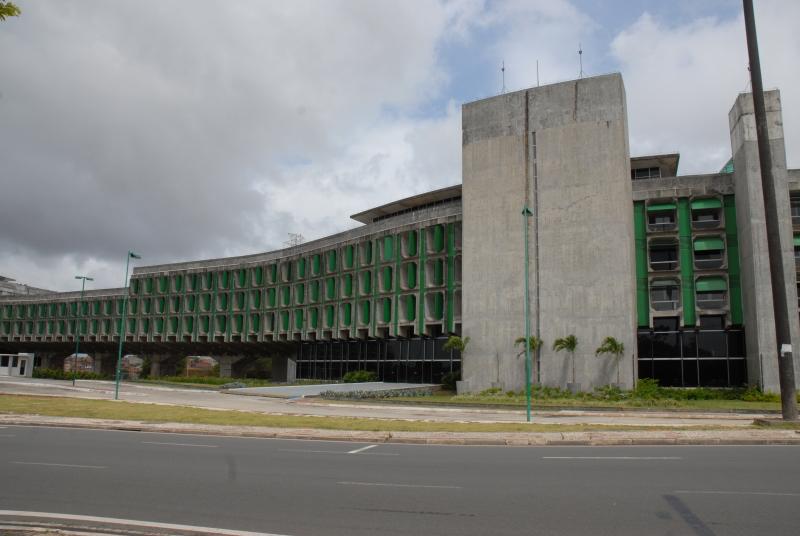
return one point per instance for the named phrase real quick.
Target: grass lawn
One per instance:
(107, 409)
(445, 398)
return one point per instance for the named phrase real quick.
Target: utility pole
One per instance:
(780, 306)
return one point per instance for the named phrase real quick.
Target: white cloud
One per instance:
(681, 81)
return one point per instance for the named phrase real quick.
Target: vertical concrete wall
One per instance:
(759, 319)
(564, 148)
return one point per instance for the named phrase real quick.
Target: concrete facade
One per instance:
(562, 150)
(762, 348)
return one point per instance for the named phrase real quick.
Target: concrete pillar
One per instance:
(284, 368)
(226, 364)
(155, 366)
(759, 319)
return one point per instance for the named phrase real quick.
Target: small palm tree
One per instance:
(454, 342)
(613, 347)
(568, 343)
(534, 342)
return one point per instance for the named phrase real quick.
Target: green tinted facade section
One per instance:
(686, 265)
(734, 266)
(642, 290)
(351, 286)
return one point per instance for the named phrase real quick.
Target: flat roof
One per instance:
(667, 162)
(368, 216)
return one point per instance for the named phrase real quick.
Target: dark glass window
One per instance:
(666, 323)
(668, 372)
(712, 344)
(689, 344)
(712, 322)
(666, 345)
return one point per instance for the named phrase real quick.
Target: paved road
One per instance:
(298, 391)
(301, 488)
(214, 399)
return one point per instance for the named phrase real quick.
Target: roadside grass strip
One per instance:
(158, 413)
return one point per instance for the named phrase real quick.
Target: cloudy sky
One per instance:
(186, 129)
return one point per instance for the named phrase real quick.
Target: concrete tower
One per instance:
(562, 149)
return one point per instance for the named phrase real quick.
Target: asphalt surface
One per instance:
(328, 488)
(299, 391)
(204, 398)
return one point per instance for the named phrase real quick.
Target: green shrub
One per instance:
(449, 380)
(647, 389)
(59, 374)
(359, 376)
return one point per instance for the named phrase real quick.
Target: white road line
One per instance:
(391, 485)
(713, 492)
(133, 523)
(612, 458)
(362, 449)
(314, 451)
(62, 465)
(179, 444)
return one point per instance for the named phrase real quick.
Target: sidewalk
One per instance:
(634, 437)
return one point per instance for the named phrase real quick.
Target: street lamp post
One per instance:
(526, 213)
(83, 279)
(131, 255)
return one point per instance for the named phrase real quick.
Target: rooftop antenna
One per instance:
(503, 71)
(295, 239)
(537, 73)
(580, 60)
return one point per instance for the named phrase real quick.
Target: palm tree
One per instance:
(568, 343)
(454, 342)
(534, 341)
(613, 347)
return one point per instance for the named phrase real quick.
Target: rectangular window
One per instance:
(646, 173)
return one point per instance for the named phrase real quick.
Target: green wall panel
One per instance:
(301, 267)
(388, 248)
(313, 318)
(349, 257)
(330, 288)
(271, 294)
(300, 293)
(642, 290)
(687, 267)
(734, 271)
(330, 314)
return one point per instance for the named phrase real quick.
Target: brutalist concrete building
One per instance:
(674, 267)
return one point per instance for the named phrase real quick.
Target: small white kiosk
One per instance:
(16, 365)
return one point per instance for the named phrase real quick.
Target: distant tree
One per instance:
(611, 346)
(568, 343)
(8, 9)
(454, 342)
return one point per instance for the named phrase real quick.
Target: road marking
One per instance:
(313, 451)
(391, 485)
(362, 449)
(714, 492)
(134, 523)
(62, 465)
(179, 444)
(611, 458)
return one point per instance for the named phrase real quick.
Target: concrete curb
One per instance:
(615, 438)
